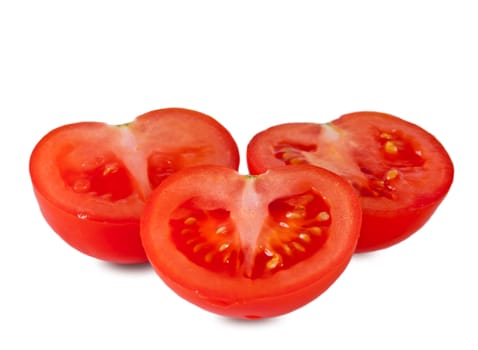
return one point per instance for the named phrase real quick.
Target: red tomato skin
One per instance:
(116, 242)
(237, 297)
(380, 231)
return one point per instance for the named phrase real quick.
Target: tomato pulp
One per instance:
(92, 179)
(400, 171)
(251, 246)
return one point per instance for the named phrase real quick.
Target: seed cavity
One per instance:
(295, 229)
(292, 154)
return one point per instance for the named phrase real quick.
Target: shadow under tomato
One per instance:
(241, 322)
(127, 268)
(366, 256)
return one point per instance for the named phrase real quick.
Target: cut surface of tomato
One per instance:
(251, 246)
(92, 179)
(400, 171)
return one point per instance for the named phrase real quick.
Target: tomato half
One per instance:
(251, 246)
(400, 171)
(92, 179)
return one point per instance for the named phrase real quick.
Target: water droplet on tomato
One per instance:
(82, 215)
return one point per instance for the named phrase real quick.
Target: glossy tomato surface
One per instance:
(92, 179)
(251, 246)
(400, 171)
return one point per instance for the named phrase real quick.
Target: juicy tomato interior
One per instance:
(295, 229)
(252, 247)
(104, 174)
(376, 169)
(400, 171)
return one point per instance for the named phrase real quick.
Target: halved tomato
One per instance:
(400, 171)
(92, 179)
(251, 246)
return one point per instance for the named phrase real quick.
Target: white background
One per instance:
(250, 65)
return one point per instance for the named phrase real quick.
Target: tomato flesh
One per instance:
(400, 171)
(92, 179)
(251, 246)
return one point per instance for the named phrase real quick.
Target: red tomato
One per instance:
(400, 171)
(92, 179)
(251, 246)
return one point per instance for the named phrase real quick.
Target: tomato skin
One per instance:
(400, 171)
(117, 242)
(91, 179)
(381, 230)
(248, 200)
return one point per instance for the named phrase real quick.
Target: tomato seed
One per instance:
(191, 241)
(386, 136)
(391, 147)
(323, 216)
(224, 246)
(315, 230)
(198, 247)
(186, 231)
(391, 174)
(296, 160)
(221, 230)
(298, 247)
(304, 237)
(287, 249)
(274, 262)
(110, 168)
(227, 257)
(284, 224)
(294, 215)
(288, 155)
(208, 257)
(190, 221)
